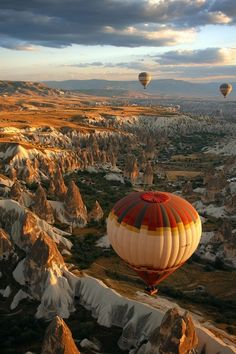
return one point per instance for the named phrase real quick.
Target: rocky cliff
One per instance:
(60, 188)
(131, 171)
(6, 247)
(41, 206)
(148, 175)
(75, 209)
(58, 339)
(96, 214)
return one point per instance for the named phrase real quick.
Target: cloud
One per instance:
(133, 65)
(198, 57)
(207, 73)
(225, 6)
(10, 43)
(130, 23)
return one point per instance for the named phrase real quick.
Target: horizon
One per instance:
(172, 39)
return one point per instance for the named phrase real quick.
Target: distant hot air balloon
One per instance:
(144, 78)
(225, 89)
(154, 232)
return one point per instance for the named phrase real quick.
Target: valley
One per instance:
(65, 159)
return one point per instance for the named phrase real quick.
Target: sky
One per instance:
(193, 40)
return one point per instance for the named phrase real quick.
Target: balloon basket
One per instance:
(151, 291)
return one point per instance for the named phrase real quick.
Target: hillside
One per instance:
(176, 88)
(28, 88)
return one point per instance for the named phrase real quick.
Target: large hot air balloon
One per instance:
(225, 89)
(144, 78)
(154, 232)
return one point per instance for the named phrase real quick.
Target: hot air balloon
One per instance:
(154, 232)
(144, 79)
(225, 89)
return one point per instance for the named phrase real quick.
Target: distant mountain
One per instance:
(28, 88)
(168, 87)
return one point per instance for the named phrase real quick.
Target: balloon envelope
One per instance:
(154, 232)
(225, 89)
(144, 78)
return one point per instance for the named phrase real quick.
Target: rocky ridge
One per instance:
(58, 339)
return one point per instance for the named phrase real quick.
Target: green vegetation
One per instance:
(21, 332)
(85, 252)
(93, 186)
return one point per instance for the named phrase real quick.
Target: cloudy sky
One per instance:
(194, 40)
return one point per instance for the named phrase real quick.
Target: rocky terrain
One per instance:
(61, 171)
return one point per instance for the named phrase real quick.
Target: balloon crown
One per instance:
(154, 197)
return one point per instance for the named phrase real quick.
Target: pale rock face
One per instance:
(148, 175)
(60, 187)
(42, 207)
(42, 271)
(6, 247)
(96, 214)
(177, 333)
(75, 208)
(58, 339)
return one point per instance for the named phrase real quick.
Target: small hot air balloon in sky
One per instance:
(154, 232)
(225, 89)
(144, 78)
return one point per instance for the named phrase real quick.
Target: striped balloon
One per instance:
(144, 79)
(154, 232)
(225, 89)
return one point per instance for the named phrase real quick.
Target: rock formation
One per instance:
(43, 254)
(187, 188)
(215, 183)
(25, 231)
(112, 159)
(75, 208)
(148, 175)
(58, 339)
(60, 187)
(42, 272)
(6, 247)
(41, 206)
(51, 188)
(150, 151)
(16, 191)
(20, 195)
(12, 173)
(142, 161)
(28, 173)
(131, 171)
(230, 206)
(177, 333)
(96, 214)
(84, 158)
(227, 239)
